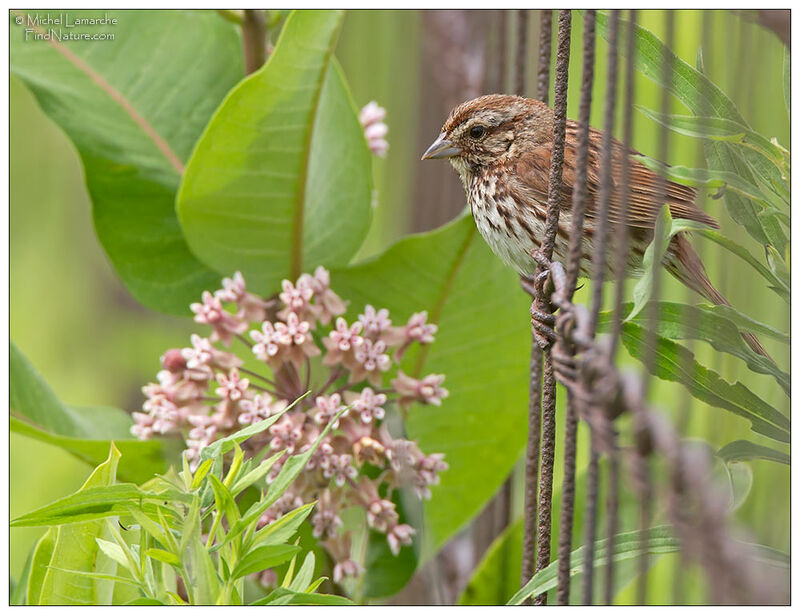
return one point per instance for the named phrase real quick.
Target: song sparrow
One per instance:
(501, 146)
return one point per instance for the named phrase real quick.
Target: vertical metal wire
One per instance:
(579, 198)
(532, 452)
(600, 261)
(522, 51)
(548, 243)
(592, 495)
(545, 44)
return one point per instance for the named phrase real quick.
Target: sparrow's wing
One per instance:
(533, 171)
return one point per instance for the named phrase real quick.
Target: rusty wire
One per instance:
(598, 392)
(579, 198)
(542, 309)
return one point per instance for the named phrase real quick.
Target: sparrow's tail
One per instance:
(684, 263)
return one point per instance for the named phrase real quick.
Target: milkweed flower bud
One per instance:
(375, 130)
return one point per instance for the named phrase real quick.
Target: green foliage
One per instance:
(84, 554)
(83, 432)
(75, 547)
(134, 108)
(280, 181)
(676, 363)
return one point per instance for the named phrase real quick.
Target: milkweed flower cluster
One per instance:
(297, 341)
(375, 129)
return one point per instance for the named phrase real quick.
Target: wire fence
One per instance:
(566, 349)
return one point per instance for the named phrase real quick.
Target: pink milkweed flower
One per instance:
(297, 299)
(326, 408)
(232, 387)
(426, 391)
(368, 404)
(371, 360)
(211, 312)
(374, 322)
(400, 535)
(341, 343)
(327, 303)
(234, 290)
(371, 118)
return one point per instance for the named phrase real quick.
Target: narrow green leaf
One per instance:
(282, 529)
(200, 576)
(280, 181)
(744, 450)
(305, 575)
(97, 502)
(223, 500)
(776, 283)
(677, 364)
(164, 556)
(720, 128)
(627, 545)
(678, 321)
(263, 557)
(282, 596)
(114, 551)
(19, 591)
(708, 178)
(665, 229)
(290, 470)
(97, 575)
(743, 321)
(200, 473)
(134, 134)
(223, 445)
(255, 475)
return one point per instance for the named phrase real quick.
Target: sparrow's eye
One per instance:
(476, 132)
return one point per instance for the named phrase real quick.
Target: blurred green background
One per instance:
(96, 346)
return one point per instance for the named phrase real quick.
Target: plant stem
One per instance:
(254, 39)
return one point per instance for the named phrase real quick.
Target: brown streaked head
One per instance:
(489, 129)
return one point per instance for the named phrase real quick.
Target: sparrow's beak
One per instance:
(441, 148)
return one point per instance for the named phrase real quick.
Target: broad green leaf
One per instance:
(96, 502)
(744, 450)
(282, 529)
(263, 557)
(627, 545)
(481, 312)
(223, 445)
(677, 321)
(134, 107)
(280, 181)
(721, 129)
(282, 595)
(83, 432)
(675, 363)
(141, 459)
(76, 549)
